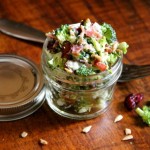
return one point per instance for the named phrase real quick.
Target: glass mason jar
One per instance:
(79, 97)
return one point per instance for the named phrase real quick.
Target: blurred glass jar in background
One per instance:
(78, 97)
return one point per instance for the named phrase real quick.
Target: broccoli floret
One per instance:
(112, 58)
(82, 54)
(84, 71)
(55, 60)
(62, 33)
(108, 32)
(123, 46)
(144, 113)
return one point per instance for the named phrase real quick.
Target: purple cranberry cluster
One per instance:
(132, 100)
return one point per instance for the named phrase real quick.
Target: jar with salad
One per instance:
(81, 63)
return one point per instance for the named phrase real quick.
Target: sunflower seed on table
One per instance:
(24, 134)
(43, 142)
(127, 131)
(127, 137)
(118, 118)
(86, 129)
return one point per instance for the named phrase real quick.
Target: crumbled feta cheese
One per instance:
(72, 65)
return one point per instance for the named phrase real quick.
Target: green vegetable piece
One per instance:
(112, 58)
(108, 32)
(96, 45)
(123, 46)
(84, 71)
(82, 55)
(144, 113)
(62, 33)
(82, 106)
(56, 61)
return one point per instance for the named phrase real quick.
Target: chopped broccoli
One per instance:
(96, 45)
(112, 58)
(82, 54)
(62, 33)
(84, 71)
(108, 32)
(123, 46)
(144, 113)
(55, 60)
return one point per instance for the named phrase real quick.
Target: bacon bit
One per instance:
(97, 33)
(93, 32)
(76, 49)
(89, 33)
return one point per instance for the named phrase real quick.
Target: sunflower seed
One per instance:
(43, 142)
(24, 134)
(86, 129)
(118, 118)
(127, 137)
(127, 131)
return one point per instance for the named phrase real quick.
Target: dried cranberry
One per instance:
(66, 49)
(138, 97)
(132, 100)
(50, 45)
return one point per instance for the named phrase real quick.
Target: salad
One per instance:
(78, 62)
(85, 48)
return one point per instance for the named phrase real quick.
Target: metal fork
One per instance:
(131, 72)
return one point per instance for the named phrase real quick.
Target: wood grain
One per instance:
(131, 20)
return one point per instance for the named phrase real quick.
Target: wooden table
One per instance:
(131, 19)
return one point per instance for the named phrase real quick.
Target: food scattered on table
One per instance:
(132, 100)
(127, 137)
(43, 142)
(24, 134)
(127, 131)
(86, 129)
(144, 113)
(118, 118)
